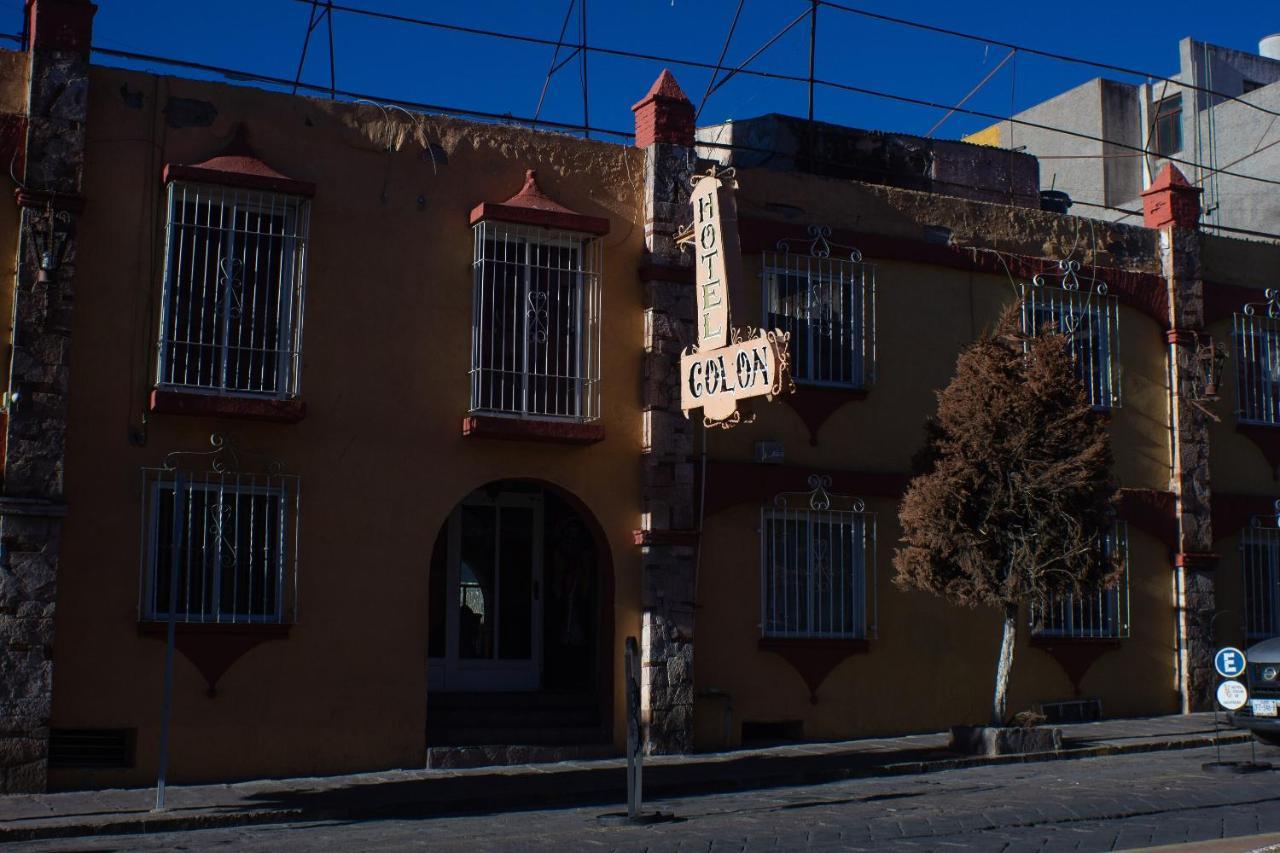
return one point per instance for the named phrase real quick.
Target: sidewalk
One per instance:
(422, 793)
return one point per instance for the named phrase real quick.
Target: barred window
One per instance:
(1260, 561)
(535, 338)
(828, 306)
(1091, 323)
(1099, 614)
(236, 557)
(231, 310)
(816, 554)
(1257, 345)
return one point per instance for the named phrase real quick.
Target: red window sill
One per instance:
(170, 402)
(805, 644)
(160, 628)
(1042, 641)
(521, 429)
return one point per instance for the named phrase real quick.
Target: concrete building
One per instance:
(423, 531)
(1234, 131)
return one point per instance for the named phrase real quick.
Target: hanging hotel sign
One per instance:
(727, 364)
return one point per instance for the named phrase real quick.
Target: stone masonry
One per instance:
(1173, 206)
(31, 505)
(664, 128)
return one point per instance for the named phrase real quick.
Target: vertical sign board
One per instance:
(717, 259)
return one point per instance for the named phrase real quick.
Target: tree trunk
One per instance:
(1005, 665)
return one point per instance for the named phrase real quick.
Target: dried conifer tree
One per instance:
(1014, 491)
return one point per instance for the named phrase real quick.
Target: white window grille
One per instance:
(535, 335)
(1260, 562)
(231, 310)
(817, 553)
(1098, 614)
(827, 304)
(1257, 345)
(237, 542)
(1090, 320)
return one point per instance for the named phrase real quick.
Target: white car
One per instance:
(1263, 679)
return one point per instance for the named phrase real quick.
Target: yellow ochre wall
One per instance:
(380, 452)
(931, 664)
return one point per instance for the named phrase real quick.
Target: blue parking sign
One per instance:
(1229, 662)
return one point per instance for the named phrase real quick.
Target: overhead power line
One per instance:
(1047, 54)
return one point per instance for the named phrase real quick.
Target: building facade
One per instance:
(382, 408)
(1213, 121)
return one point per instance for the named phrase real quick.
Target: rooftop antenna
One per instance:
(317, 15)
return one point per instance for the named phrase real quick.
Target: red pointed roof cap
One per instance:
(664, 87)
(237, 165)
(1170, 177)
(532, 206)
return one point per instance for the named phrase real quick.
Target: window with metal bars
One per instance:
(1091, 324)
(231, 310)
(817, 552)
(1257, 345)
(1099, 614)
(828, 306)
(1260, 564)
(535, 336)
(236, 554)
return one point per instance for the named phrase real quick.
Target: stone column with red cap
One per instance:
(664, 122)
(31, 501)
(1172, 205)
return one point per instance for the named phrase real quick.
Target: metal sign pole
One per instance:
(166, 704)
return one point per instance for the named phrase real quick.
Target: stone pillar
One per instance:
(1173, 206)
(668, 536)
(31, 502)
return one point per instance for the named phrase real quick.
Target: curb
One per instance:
(600, 795)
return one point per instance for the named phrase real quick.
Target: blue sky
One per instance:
(392, 60)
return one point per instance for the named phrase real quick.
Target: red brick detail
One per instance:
(813, 659)
(64, 25)
(1153, 512)
(1195, 560)
(1180, 337)
(1232, 513)
(1145, 292)
(664, 114)
(532, 206)
(1171, 200)
(815, 404)
(40, 199)
(1074, 654)
(169, 402)
(665, 537)
(213, 648)
(732, 483)
(664, 272)
(521, 429)
(238, 166)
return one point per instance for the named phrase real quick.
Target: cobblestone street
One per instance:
(1113, 803)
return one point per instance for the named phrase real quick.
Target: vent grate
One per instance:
(91, 748)
(1074, 711)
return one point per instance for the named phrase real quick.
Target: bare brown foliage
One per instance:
(1015, 488)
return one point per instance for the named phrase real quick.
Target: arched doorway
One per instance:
(521, 624)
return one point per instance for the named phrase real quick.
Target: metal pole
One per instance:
(586, 115)
(333, 79)
(633, 728)
(813, 47)
(166, 705)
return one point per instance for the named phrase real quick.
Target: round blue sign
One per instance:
(1229, 662)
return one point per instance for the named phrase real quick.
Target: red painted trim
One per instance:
(1222, 300)
(687, 538)
(1267, 439)
(71, 202)
(168, 402)
(1075, 654)
(1203, 561)
(663, 272)
(813, 659)
(522, 429)
(1146, 292)
(1232, 513)
(1180, 337)
(735, 483)
(62, 25)
(498, 212)
(212, 647)
(248, 180)
(815, 404)
(1153, 512)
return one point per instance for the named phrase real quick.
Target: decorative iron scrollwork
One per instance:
(224, 457)
(1272, 304)
(820, 244)
(1067, 278)
(819, 498)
